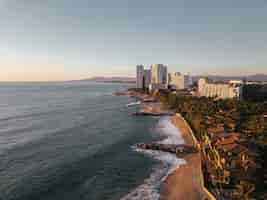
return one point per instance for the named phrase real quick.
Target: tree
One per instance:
(172, 99)
(243, 190)
(254, 125)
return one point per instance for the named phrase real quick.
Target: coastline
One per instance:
(186, 183)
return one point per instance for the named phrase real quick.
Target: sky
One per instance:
(75, 39)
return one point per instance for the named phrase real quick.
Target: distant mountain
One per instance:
(257, 77)
(112, 79)
(254, 77)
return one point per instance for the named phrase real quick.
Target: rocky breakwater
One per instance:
(180, 150)
(144, 113)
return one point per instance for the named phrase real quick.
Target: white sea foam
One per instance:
(169, 131)
(149, 190)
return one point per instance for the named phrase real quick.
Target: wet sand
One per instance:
(186, 183)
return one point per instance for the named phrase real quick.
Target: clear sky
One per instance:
(73, 39)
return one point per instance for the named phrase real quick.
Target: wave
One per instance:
(149, 190)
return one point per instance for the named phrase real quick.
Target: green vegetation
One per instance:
(239, 169)
(255, 92)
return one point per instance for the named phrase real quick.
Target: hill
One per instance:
(112, 79)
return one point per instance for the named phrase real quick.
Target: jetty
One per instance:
(180, 150)
(154, 114)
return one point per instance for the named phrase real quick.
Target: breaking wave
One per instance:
(168, 162)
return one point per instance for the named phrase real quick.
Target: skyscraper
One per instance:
(147, 78)
(165, 75)
(158, 74)
(159, 77)
(139, 76)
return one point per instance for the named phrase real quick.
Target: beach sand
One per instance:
(186, 183)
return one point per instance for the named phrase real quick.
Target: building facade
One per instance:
(179, 81)
(159, 74)
(220, 90)
(159, 77)
(139, 76)
(153, 79)
(165, 76)
(147, 78)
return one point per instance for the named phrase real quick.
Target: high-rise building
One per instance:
(147, 78)
(179, 81)
(139, 76)
(165, 75)
(159, 74)
(159, 77)
(153, 79)
(219, 90)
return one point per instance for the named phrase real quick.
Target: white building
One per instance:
(159, 77)
(139, 76)
(158, 74)
(179, 81)
(236, 82)
(220, 90)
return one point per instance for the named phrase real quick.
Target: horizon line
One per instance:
(130, 77)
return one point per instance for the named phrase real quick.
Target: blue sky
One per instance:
(67, 39)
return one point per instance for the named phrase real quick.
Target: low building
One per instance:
(156, 87)
(235, 155)
(224, 139)
(215, 130)
(208, 88)
(236, 82)
(179, 81)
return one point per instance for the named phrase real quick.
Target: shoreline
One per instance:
(186, 182)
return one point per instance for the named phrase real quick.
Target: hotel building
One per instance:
(220, 90)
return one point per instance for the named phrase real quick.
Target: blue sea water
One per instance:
(73, 140)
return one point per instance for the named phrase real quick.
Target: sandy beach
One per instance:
(186, 183)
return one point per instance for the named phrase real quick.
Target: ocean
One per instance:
(75, 141)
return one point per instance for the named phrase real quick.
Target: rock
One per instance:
(179, 150)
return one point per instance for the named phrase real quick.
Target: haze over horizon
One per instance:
(61, 40)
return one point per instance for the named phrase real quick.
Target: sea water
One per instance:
(74, 140)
